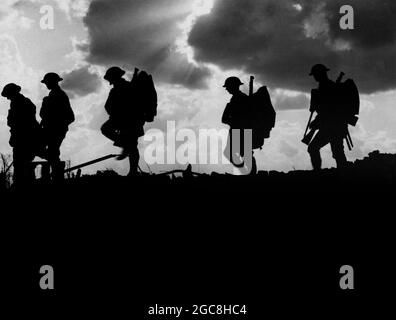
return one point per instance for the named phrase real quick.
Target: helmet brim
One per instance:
(51, 80)
(323, 70)
(227, 85)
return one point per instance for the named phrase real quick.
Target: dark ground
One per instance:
(274, 242)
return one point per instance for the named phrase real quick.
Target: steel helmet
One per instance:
(51, 78)
(10, 89)
(232, 81)
(318, 68)
(114, 73)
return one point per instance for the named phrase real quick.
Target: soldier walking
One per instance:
(24, 132)
(126, 118)
(331, 122)
(56, 116)
(236, 115)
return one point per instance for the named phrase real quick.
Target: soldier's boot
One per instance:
(124, 154)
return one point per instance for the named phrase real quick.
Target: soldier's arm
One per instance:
(44, 106)
(70, 118)
(31, 108)
(226, 118)
(314, 100)
(10, 118)
(109, 105)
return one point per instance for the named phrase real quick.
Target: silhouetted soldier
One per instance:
(56, 116)
(24, 129)
(126, 119)
(235, 115)
(330, 122)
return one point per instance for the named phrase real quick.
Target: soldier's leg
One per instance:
(233, 148)
(18, 165)
(53, 148)
(134, 158)
(30, 168)
(253, 169)
(23, 168)
(318, 142)
(53, 151)
(109, 130)
(227, 149)
(337, 148)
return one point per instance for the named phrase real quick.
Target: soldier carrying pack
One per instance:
(262, 115)
(337, 106)
(347, 104)
(144, 94)
(130, 104)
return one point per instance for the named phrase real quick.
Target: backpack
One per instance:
(349, 99)
(262, 115)
(145, 94)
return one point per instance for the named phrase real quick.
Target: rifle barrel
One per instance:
(309, 122)
(251, 83)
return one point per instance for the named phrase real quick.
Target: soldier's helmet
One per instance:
(10, 89)
(114, 73)
(51, 77)
(318, 69)
(232, 82)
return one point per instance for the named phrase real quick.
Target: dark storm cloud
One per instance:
(81, 82)
(142, 33)
(279, 40)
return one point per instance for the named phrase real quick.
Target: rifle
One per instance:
(9, 167)
(251, 86)
(349, 141)
(308, 136)
(135, 75)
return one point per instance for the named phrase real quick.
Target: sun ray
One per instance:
(199, 8)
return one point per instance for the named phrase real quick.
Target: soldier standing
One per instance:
(236, 115)
(24, 131)
(126, 119)
(330, 122)
(56, 116)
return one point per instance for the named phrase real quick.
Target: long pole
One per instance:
(90, 162)
(309, 122)
(8, 168)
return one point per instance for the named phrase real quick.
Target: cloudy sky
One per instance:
(190, 47)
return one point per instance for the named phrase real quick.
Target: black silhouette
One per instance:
(336, 107)
(244, 114)
(24, 130)
(56, 116)
(126, 117)
(262, 115)
(235, 115)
